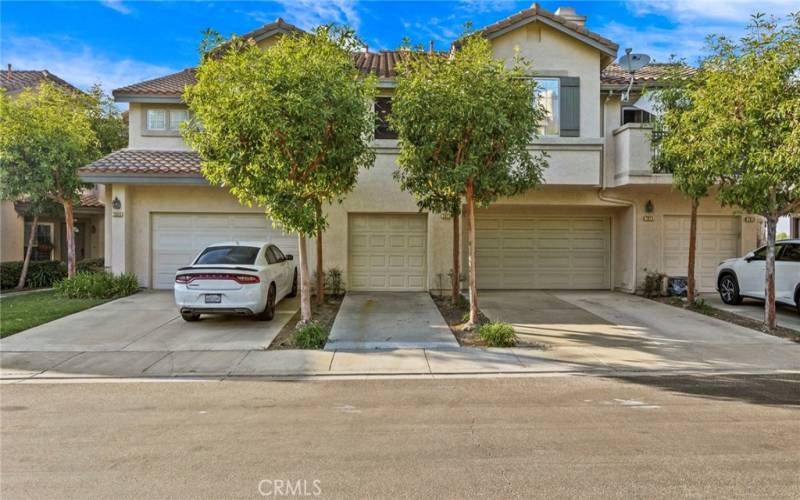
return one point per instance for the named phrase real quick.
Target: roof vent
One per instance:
(570, 15)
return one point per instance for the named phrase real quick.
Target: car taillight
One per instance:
(242, 279)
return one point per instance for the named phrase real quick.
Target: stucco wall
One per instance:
(137, 136)
(12, 228)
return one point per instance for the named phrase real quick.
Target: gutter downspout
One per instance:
(619, 202)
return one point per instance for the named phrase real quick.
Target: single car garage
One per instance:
(179, 237)
(717, 240)
(387, 252)
(540, 252)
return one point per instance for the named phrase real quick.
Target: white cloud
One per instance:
(116, 5)
(484, 6)
(308, 14)
(721, 10)
(79, 64)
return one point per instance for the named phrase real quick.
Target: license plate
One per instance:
(213, 298)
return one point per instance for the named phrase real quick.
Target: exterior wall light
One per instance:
(648, 207)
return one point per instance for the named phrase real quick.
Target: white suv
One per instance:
(744, 277)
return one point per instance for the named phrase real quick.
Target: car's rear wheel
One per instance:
(187, 316)
(269, 310)
(729, 290)
(293, 292)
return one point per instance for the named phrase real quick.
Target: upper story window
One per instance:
(167, 121)
(547, 92)
(156, 119)
(383, 108)
(176, 117)
(635, 115)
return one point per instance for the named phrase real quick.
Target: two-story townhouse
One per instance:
(50, 237)
(603, 218)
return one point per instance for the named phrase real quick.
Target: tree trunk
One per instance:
(769, 280)
(305, 288)
(456, 282)
(70, 238)
(473, 290)
(320, 271)
(690, 283)
(31, 239)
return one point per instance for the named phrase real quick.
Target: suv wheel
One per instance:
(729, 290)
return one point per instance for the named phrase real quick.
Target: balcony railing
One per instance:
(637, 153)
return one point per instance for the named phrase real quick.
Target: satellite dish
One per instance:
(632, 63)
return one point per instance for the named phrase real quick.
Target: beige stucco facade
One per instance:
(604, 172)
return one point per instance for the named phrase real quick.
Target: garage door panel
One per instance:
(531, 252)
(717, 239)
(395, 258)
(177, 238)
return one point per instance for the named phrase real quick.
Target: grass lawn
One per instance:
(21, 312)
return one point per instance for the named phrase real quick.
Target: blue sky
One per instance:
(118, 42)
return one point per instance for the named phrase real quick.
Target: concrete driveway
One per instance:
(389, 320)
(148, 321)
(788, 317)
(621, 331)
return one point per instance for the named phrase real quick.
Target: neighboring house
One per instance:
(51, 231)
(603, 219)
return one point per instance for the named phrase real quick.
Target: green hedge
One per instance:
(43, 273)
(97, 285)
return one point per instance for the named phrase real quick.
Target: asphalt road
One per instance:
(547, 437)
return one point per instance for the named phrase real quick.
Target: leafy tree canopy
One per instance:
(286, 127)
(465, 117)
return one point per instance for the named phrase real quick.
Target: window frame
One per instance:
(542, 132)
(29, 224)
(382, 128)
(167, 131)
(177, 126)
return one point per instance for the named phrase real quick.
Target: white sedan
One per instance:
(244, 278)
(744, 277)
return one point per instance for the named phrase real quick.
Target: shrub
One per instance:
(334, 282)
(100, 285)
(701, 306)
(653, 285)
(90, 265)
(40, 273)
(498, 335)
(310, 336)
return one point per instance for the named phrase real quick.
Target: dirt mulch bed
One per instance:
(736, 319)
(323, 314)
(455, 316)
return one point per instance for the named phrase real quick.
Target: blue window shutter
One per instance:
(570, 106)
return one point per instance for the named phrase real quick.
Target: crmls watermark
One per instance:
(289, 488)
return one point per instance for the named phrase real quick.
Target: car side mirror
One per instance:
(290, 257)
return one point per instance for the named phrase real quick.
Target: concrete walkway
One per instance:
(389, 320)
(788, 317)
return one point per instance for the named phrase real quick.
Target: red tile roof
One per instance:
(614, 74)
(168, 86)
(15, 80)
(89, 200)
(131, 161)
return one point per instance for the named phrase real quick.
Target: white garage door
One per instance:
(526, 252)
(179, 237)
(387, 252)
(717, 239)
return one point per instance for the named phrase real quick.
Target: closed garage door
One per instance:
(179, 237)
(717, 239)
(525, 252)
(387, 252)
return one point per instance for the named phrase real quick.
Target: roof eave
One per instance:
(148, 98)
(139, 178)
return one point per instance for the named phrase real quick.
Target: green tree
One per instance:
(45, 136)
(751, 97)
(106, 120)
(679, 128)
(286, 128)
(465, 123)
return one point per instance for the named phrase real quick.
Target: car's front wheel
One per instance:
(729, 290)
(269, 310)
(187, 316)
